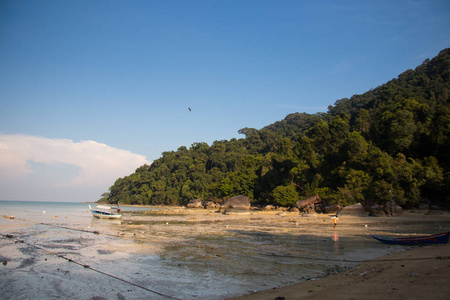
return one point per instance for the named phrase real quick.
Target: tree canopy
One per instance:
(390, 143)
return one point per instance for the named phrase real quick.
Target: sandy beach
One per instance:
(417, 273)
(201, 254)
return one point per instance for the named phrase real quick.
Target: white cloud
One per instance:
(97, 164)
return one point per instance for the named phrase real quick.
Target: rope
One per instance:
(87, 266)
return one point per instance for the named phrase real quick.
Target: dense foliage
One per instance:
(392, 142)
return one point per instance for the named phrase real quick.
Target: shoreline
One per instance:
(200, 253)
(415, 273)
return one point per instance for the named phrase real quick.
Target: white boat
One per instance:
(106, 212)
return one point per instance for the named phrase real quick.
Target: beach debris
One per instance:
(5, 262)
(8, 217)
(43, 212)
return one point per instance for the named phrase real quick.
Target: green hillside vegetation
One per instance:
(390, 143)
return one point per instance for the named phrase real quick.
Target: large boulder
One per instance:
(377, 211)
(332, 209)
(353, 210)
(393, 209)
(196, 203)
(239, 202)
(301, 204)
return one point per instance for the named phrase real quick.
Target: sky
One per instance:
(90, 90)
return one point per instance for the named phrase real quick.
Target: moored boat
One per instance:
(106, 212)
(440, 238)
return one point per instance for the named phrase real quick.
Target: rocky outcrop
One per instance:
(309, 209)
(238, 202)
(294, 209)
(208, 204)
(268, 208)
(332, 209)
(393, 209)
(196, 203)
(307, 201)
(353, 210)
(377, 211)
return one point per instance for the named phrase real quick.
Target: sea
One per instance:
(71, 213)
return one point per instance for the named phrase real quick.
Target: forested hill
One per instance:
(392, 142)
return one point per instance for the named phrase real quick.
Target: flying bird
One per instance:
(189, 109)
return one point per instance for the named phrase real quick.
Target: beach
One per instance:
(416, 273)
(202, 254)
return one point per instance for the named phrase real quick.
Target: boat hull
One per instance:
(104, 215)
(105, 212)
(441, 238)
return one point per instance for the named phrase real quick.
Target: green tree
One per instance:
(285, 195)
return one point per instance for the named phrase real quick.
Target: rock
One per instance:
(196, 203)
(424, 206)
(268, 208)
(210, 204)
(377, 211)
(353, 210)
(332, 209)
(309, 215)
(294, 209)
(392, 209)
(240, 202)
(308, 209)
(307, 201)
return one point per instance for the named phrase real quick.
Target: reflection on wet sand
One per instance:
(198, 254)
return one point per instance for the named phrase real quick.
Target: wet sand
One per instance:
(418, 273)
(200, 254)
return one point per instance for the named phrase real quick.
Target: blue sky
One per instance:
(122, 74)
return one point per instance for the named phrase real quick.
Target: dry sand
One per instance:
(418, 273)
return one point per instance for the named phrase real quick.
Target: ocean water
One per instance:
(40, 211)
